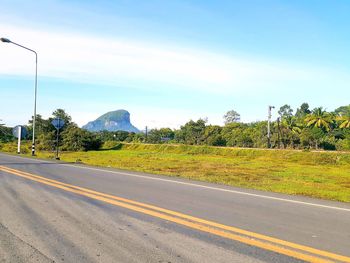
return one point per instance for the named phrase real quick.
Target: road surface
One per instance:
(61, 212)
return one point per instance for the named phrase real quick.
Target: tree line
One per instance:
(304, 129)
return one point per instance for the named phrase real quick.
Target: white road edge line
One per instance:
(196, 185)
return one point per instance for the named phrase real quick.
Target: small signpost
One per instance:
(58, 124)
(19, 132)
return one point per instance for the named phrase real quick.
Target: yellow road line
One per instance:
(196, 223)
(203, 221)
(199, 220)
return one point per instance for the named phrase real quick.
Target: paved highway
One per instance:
(61, 212)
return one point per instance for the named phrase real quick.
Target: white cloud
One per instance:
(116, 61)
(122, 62)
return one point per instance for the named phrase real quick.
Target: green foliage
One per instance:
(213, 136)
(77, 139)
(71, 137)
(6, 134)
(60, 113)
(112, 136)
(11, 147)
(192, 132)
(162, 135)
(238, 134)
(285, 111)
(303, 111)
(46, 141)
(319, 118)
(344, 117)
(111, 145)
(232, 116)
(316, 129)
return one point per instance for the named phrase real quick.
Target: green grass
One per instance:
(323, 175)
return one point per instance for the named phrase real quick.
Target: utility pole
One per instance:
(146, 134)
(268, 126)
(279, 132)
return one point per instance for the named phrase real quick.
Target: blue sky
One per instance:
(171, 61)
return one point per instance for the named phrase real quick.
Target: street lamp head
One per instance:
(5, 40)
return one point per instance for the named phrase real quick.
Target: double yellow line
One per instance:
(250, 238)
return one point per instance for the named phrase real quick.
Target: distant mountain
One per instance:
(118, 120)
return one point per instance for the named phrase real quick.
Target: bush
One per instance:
(11, 147)
(329, 143)
(343, 145)
(76, 139)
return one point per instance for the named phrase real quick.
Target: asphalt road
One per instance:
(46, 221)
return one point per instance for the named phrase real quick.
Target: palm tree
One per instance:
(292, 124)
(289, 130)
(319, 118)
(344, 118)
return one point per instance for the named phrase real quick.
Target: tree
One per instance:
(341, 109)
(213, 136)
(192, 132)
(232, 116)
(285, 111)
(60, 113)
(120, 135)
(42, 126)
(311, 136)
(47, 141)
(303, 111)
(344, 117)
(105, 135)
(5, 134)
(290, 131)
(160, 135)
(319, 118)
(292, 124)
(77, 139)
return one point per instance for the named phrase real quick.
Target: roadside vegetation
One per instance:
(298, 163)
(305, 129)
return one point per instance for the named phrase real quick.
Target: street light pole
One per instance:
(6, 40)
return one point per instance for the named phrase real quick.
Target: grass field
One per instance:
(317, 174)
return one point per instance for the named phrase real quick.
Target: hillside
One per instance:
(118, 120)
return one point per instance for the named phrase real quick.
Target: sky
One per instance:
(168, 62)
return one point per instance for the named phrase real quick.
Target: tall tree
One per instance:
(303, 110)
(5, 133)
(319, 118)
(60, 113)
(285, 111)
(341, 109)
(290, 130)
(77, 139)
(42, 126)
(232, 116)
(213, 136)
(192, 132)
(292, 124)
